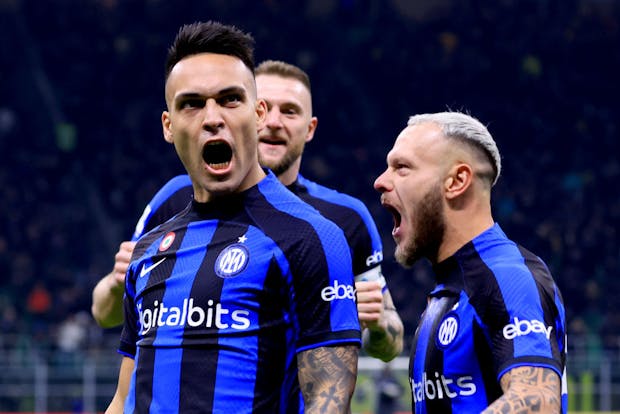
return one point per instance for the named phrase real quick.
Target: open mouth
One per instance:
(217, 154)
(396, 217)
(271, 140)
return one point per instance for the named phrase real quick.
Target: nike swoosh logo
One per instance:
(145, 269)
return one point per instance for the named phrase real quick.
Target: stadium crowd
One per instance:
(83, 151)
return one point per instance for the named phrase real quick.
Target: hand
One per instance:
(369, 303)
(116, 279)
(107, 307)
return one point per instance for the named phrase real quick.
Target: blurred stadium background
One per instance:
(81, 93)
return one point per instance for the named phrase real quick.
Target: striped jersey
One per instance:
(495, 307)
(349, 213)
(352, 216)
(220, 299)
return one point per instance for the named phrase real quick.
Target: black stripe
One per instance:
(271, 343)
(484, 356)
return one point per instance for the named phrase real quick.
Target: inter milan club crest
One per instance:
(166, 242)
(447, 331)
(232, 260)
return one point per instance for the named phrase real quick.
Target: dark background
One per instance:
(81, 94)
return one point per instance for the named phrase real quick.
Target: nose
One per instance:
(213, 120)
(273, 120)
(381, 184)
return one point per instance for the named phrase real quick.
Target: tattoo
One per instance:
(327, 378)
(528, 390)
(387, 343)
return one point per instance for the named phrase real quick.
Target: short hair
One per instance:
(283, 69)
(210, 37)
(467, 129)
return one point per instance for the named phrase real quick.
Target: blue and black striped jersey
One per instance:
(349, 213)
(495, 307)
(220, 300)
(352, 216)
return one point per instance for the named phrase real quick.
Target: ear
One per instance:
(314, 121)
(459, 179)
(261, 114)
(166, 124)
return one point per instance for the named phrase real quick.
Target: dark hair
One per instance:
(210, 37)
(284, 70)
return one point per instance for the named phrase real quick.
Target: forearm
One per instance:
(528, 390)
(385, 340)
(327, 378)
(122, 388)
(107, 307)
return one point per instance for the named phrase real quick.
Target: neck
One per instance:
(289, 176)
(462, 227)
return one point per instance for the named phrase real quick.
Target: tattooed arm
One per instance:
(383, 329)
(327, 378)
(528, 390)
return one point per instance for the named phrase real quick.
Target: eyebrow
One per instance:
(226, 91)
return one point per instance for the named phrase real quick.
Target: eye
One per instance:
(192, 103)
(230, 100)
(401, 168)
(289, 111)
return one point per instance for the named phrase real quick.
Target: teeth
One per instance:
(219, 166)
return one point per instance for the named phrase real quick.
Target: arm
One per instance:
(107, 307)
(528, 389)
(383, 330)
(124, 377)
(327, 378)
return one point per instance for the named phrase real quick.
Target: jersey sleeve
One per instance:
(533, 333)
(129, 333)
(324, 292)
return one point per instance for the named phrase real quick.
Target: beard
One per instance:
(283, 164)
(428, 232)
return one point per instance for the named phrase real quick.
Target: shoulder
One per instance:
(181, 184)
(282, 214)
(334, 196)
(169, 200)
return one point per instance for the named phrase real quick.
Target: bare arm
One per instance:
(122, 388)
(528, 390)
(327, 378)
(107, 307)
(383, 329)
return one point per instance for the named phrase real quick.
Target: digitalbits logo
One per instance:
(447, 331)
(231, 261)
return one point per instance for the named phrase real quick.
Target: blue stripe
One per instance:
(431, 313)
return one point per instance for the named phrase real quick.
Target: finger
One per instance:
(367, 286)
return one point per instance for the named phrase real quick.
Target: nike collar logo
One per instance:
(146, 269)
